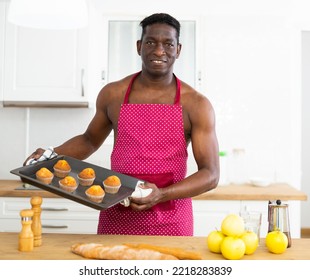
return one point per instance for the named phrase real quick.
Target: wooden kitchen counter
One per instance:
(8, 189)
(274, 191)
(57, 246)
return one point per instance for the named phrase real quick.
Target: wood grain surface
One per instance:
(57, 246)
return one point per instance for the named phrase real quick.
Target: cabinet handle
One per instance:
(54, 209)
(53, 226)
(82, 82)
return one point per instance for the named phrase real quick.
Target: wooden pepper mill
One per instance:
(36, 226)
(25, 242)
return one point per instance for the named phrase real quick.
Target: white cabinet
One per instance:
(2, 24)
(44, 67)
(208, 214)
(61, 215)
(58, 215)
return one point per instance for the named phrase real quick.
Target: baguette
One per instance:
(117, 252)
(177, 252)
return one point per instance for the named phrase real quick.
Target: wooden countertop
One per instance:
(8, 189)
(274, 191)
(57, 246)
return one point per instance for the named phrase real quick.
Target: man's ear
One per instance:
(139, 47)
(179, 50)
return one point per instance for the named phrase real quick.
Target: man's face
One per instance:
(159, 48)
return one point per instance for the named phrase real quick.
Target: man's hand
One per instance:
(35, 155)
(144, 203)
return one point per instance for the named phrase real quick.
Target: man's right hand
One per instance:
(35, 155)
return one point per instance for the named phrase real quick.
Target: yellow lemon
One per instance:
(232, 225)
(232, 248)
(276, 242)
(214, 240)
(251, 241)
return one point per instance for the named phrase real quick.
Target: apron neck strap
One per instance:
(177, 96)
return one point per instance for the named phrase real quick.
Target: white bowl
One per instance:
(259, 182)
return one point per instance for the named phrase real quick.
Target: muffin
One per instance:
(68, 184)
(44, 175)
(62, 168)
(95, 193)
(112, 184)
(86, 177)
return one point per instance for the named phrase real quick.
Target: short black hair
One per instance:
(161, 18)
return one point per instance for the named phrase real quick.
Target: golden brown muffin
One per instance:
(112, 184)
(87, 176)
(61, 168)
(87, 173)
(44, 175)
(95, 193)
(68, 184)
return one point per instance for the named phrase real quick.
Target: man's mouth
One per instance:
(158, 61)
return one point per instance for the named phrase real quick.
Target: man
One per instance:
(154, 117)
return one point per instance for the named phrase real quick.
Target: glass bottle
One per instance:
(239, 169)
(223, 168)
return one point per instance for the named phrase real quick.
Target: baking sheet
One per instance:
(28, 175)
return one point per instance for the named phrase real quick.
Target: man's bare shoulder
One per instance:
(190, 98)
(116, 87)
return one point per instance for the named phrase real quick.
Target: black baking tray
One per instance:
(28, 175)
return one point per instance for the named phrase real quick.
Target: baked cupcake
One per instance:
(112, 184)
(68, 184)
(86, 177)
(45, 175)
(62, 168)
(95, 193)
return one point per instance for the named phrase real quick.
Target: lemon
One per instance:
(214, 240)
(232, 248)
(232, 225)
(276, 242)
(251, 241)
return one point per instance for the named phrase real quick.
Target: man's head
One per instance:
(159, 45)
(161, 18)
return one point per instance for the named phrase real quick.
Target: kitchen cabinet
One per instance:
(44, 67)
(58, 215)
(209, 214)
(64, 216)
(209, 208)
(2, 24)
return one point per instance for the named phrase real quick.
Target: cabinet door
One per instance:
(44, 66)
(58, 215)
(208, 214)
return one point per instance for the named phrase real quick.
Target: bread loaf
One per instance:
(117, 252)
(177, 252)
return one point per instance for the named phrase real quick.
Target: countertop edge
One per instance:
(274, 191)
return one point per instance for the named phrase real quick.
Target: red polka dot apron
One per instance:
(150, 146)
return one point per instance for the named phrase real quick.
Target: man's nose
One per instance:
(159, 49)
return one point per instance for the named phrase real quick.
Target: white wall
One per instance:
(250, 65)
(305, 178)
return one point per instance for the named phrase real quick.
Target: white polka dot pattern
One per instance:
(150, 142)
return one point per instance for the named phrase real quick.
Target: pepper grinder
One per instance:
(36, 226)
(25, 242)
